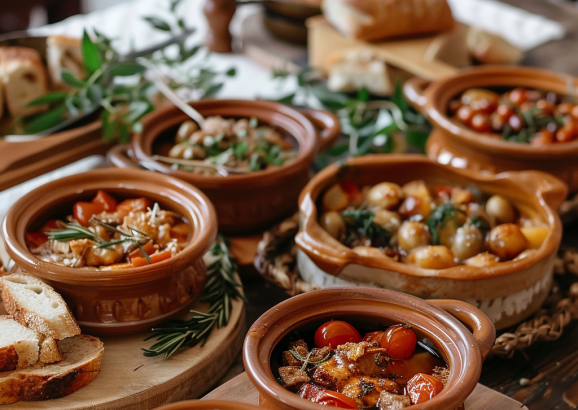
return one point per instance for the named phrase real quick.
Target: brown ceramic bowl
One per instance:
(508, 292)
(462, 351)
(249, 202)
(459, 146)
(120, 301)
(208, 405)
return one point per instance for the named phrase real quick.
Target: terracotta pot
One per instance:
(248, 202)
(120, 301)
(207, 405)
(462, 351)
(459, 146)
(508, 292)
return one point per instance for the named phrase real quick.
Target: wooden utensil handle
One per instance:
(219, 14)
(481, 326)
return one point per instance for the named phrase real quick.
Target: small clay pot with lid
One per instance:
(462, 351)
(244, 202)
(454, 144)
(120, 301)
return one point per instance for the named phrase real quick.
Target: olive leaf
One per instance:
(48, 99)
(90, 54)
(45, 120)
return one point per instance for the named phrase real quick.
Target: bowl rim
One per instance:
(305, 154)
(20, 215)
(208, 405)
(259, 345)
(323, 249)
(485, 76)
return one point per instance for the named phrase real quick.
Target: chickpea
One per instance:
(432, 257)
(385, 195)
(186, 130)
(388, 220)
(500, 209)
(507, 241)
(417, 189)
(468, 242)
(413, 206)
(335, 199)
(333, 224)
(482, 260)
(178, 150)
(412, 235)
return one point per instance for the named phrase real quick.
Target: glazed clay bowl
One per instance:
(208, 405)
(462, 351)
(123, 301)
(248, 202)
(507, 292)
(459, 146)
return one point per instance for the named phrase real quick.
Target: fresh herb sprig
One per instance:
(362, 228)
(534, 120)
(221, 288)
(440, 216)
(73, 231)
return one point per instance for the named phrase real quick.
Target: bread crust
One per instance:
(379, 19)
(8, 358)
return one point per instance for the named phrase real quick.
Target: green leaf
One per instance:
(398, 99)
(330, 99)
(90, 54)
(231, 72)
(417, 139)
(223, 157)
(48, 99)
(70, 79)
(241, 150)
(212, 90)
(136, 110)
(363, 95)
(45, 120)
(123, 133)
(338, 150)
(95, 93)
(158, 23)
(126, 69)
(174, 4)
(288, 99)
(190, 52)
(108, 127)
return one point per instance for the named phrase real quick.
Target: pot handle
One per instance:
(119, 157)
(481, 326)
(329, 124)
(414, 90)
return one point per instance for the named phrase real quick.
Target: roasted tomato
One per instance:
(400, 341)
(332, 398)
(336, 333)
(104, 199)
(423, 387)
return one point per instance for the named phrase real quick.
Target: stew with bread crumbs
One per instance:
(107, 234)
(386, 369)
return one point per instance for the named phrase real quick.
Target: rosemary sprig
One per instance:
(306, 360)
(72, 232)
(221, 288)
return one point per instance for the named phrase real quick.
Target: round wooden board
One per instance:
(130, 381)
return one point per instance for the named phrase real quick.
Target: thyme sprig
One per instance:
(219, 292)
(73, 231)
(362, 228)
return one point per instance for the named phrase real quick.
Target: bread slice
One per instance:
(18, 345)
(37, 306)
(64, 52)
(82, 357)
(24, 78)
(49, 351)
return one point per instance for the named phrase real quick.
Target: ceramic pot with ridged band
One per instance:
(462, 351)
(120, 301)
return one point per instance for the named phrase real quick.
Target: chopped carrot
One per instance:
(35, 239)
(181, 231)
(148, 247)
(106, 200)
(157, 257)
(83, 211)
(116, 266)
(133, 205)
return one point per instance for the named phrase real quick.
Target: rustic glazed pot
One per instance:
(208, 405)
(462, 351)
(123, 301)
(507, 292)
(455, 144)
(248, 202)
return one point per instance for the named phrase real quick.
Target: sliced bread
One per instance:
(82, 357)
(37, 306)
(49, 351)
(18, 345)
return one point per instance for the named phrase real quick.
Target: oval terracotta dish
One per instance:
(462, 351)
(207, 405)
(111, 302)
(507, 292)
(248, 202)
(461, 147)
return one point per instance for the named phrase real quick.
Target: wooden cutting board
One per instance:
(130, 381)
(482, 398)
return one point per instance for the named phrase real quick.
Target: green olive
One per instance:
(468, 241)
(501, 210)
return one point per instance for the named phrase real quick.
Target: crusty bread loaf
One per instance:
(18, 345)
(82, 357)
(64, 52)
(488, 48)
(379, 19)
(49, 351)
(24, 79)
(37, 306)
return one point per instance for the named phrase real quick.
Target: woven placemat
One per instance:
(277, 256)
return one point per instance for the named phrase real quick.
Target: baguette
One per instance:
(36, 305)
(82, 358)
(379, 19)
(18, 345)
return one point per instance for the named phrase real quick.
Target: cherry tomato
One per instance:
(564, 108)
(443, 192)
(133, 205)
(423, 387)
(481, 123)
(464, 114)
(504, 112)
(333, 398)
(545, 106)
(516, 123)
(336, 333)
(496, 122)
(35, 239)
(542, 137)
(107, 201)
(574, 112)
(351, 189)
(400, 342)
(83, 211)
(480, 100)
(374, 336)
(568, 132)
(49, 226)
(518, 96)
